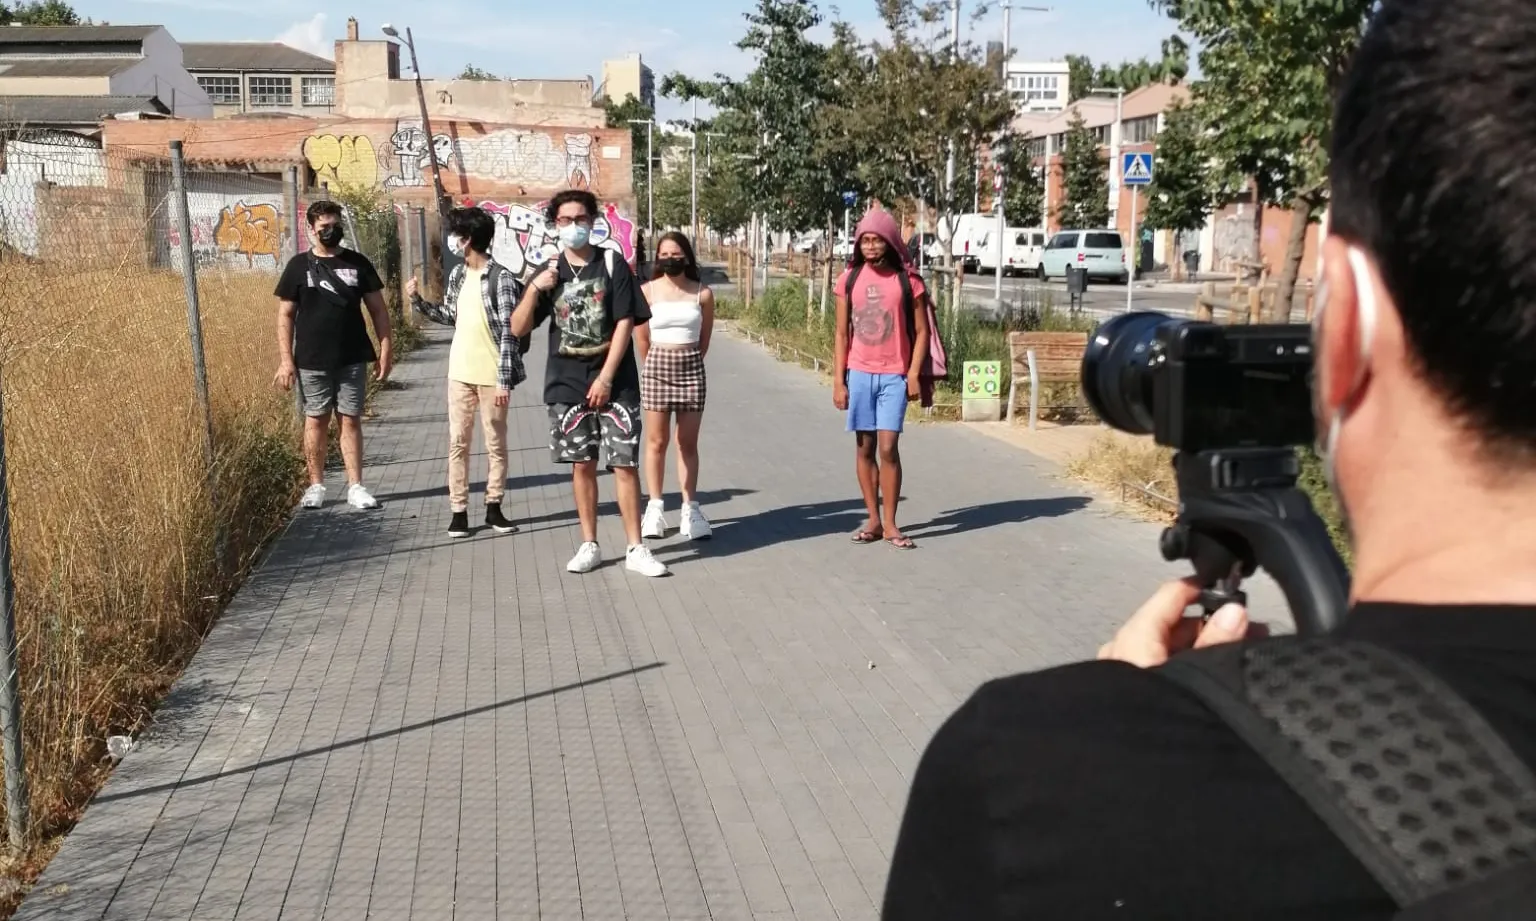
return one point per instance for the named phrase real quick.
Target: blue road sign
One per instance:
(849, 198)
(1136, 168)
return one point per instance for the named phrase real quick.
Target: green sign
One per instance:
(982, 379)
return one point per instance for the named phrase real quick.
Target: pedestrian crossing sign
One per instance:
(1137, 168)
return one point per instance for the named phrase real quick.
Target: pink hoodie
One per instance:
(881, 223)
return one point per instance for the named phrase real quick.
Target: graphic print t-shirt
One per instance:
(329, 332)
(586, 304)
(880, 344)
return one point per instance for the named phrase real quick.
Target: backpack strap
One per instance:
(608, 256)
(1419, 788)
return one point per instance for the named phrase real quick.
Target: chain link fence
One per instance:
(147, 454)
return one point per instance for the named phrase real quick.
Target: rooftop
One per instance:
(75, 110)
(275, 56)
(91, 66)
(14, 34)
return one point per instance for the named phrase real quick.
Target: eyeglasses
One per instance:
(584, 221)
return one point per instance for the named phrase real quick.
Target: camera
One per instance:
(1233, 402)
(1196, 386)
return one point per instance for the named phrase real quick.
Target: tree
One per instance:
(1269, 75)
(40, 13)
(724, 197)
(1080, 77)
(1086, 178)
(1182, 194)
(627, 114)
(471, 72)
(1023, 183)
(1171, 67)
(674, 200)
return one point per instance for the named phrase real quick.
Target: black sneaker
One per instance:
(458, 526)
(498, 522)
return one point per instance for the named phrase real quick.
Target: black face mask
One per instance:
(672, 267)
(329, 236)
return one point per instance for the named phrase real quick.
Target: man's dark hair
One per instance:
(320, 209)
(587, 200)
(690, 261)
(1434, 131)
(475, 226)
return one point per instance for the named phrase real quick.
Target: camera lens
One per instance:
(1117, 375)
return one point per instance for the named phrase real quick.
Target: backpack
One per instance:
(1403, 771)
(492, 274)
(936, 365)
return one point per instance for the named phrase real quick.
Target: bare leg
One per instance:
(317, 436)
(627, 482)
(584, 482)
(658, 429)
(869, 476)
(688, 453)
(352, 447)
(890, 481)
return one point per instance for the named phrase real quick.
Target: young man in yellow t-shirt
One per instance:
(484, 362)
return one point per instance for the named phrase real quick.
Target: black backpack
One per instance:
(1416, 784)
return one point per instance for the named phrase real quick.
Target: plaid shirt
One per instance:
(498, 312)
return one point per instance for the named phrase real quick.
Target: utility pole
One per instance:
(693, 156)
(650, 181)
(426, 125)
(949, 167)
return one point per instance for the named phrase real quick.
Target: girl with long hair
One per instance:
(672, 347)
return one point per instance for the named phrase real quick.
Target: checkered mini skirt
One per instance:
(673, 380)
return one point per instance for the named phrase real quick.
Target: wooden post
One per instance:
(1205, 302)
(1255, 304)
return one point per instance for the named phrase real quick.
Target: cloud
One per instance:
(309, 36)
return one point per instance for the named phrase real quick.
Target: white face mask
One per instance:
(456, 245)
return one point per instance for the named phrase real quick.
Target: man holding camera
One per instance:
(1107, 790)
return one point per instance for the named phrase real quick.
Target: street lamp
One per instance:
(426, 122)
(1114, 150)
(650, 183)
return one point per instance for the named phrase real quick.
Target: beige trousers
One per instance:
(463, 400)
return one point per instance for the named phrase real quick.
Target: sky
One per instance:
(695, 37)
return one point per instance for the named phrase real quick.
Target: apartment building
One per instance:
(261, 78)
(628, 76)
(1039, 86)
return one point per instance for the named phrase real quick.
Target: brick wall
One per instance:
(92, 226)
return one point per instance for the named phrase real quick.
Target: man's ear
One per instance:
(1341, 360)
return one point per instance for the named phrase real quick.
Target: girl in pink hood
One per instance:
(880, 353)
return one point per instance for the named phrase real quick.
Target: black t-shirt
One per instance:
(1101, 790)
(329, 331)
(587, 303)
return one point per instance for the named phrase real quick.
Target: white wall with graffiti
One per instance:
(237, 222)
(67, 160)
(525, 238)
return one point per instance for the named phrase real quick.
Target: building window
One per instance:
(1140, 130)
(1101, 135)
(1037, 148)
(223, 91)
(271, 91)
(319, 91)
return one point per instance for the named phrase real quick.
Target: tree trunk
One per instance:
(826, 283)
(1295, 248)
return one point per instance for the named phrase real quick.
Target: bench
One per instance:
(1043, 358)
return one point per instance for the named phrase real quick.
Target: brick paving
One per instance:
(391, 724)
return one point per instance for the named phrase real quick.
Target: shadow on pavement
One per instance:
(377, 736)
(982, 517)
(514, 484)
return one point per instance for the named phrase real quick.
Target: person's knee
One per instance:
(349, 422)
(584, 471)
(657, 437)
(865, 445)
(890, 451)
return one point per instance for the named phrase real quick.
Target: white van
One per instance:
(1021, 250)
(965, 245)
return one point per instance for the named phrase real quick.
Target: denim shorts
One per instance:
(876, 402)
(343, 390)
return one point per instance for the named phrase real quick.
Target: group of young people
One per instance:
(625, 372)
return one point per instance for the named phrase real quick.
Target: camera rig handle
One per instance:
(1239, 510)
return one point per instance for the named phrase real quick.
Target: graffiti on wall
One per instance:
(1234, 241)
(232, 232)
(525, 238)
(509, 156)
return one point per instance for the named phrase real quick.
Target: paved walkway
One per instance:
(391, 724)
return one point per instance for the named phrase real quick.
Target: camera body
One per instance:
(1242, 386)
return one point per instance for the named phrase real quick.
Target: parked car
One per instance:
(919, 244)
(1101, 252)
(1022, 251)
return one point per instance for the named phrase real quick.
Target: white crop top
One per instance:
(676, 322)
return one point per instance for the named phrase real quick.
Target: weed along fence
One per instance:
(146, 454)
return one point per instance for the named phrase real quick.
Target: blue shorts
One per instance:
(876, 402)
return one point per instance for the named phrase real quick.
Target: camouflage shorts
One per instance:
(575, 432)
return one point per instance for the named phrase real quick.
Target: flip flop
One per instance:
(865, 537)
(902, 542)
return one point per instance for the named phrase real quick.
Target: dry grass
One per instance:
(1135, 467)
(112, 528)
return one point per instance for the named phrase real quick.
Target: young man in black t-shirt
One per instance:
(591, 384)
(324, 348)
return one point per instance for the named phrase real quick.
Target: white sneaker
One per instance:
(586, 559)
(640, 560)
(694, 526)
(358, 496)
(314, 496)
(654, 524)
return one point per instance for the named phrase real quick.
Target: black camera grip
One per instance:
(1275, 529)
